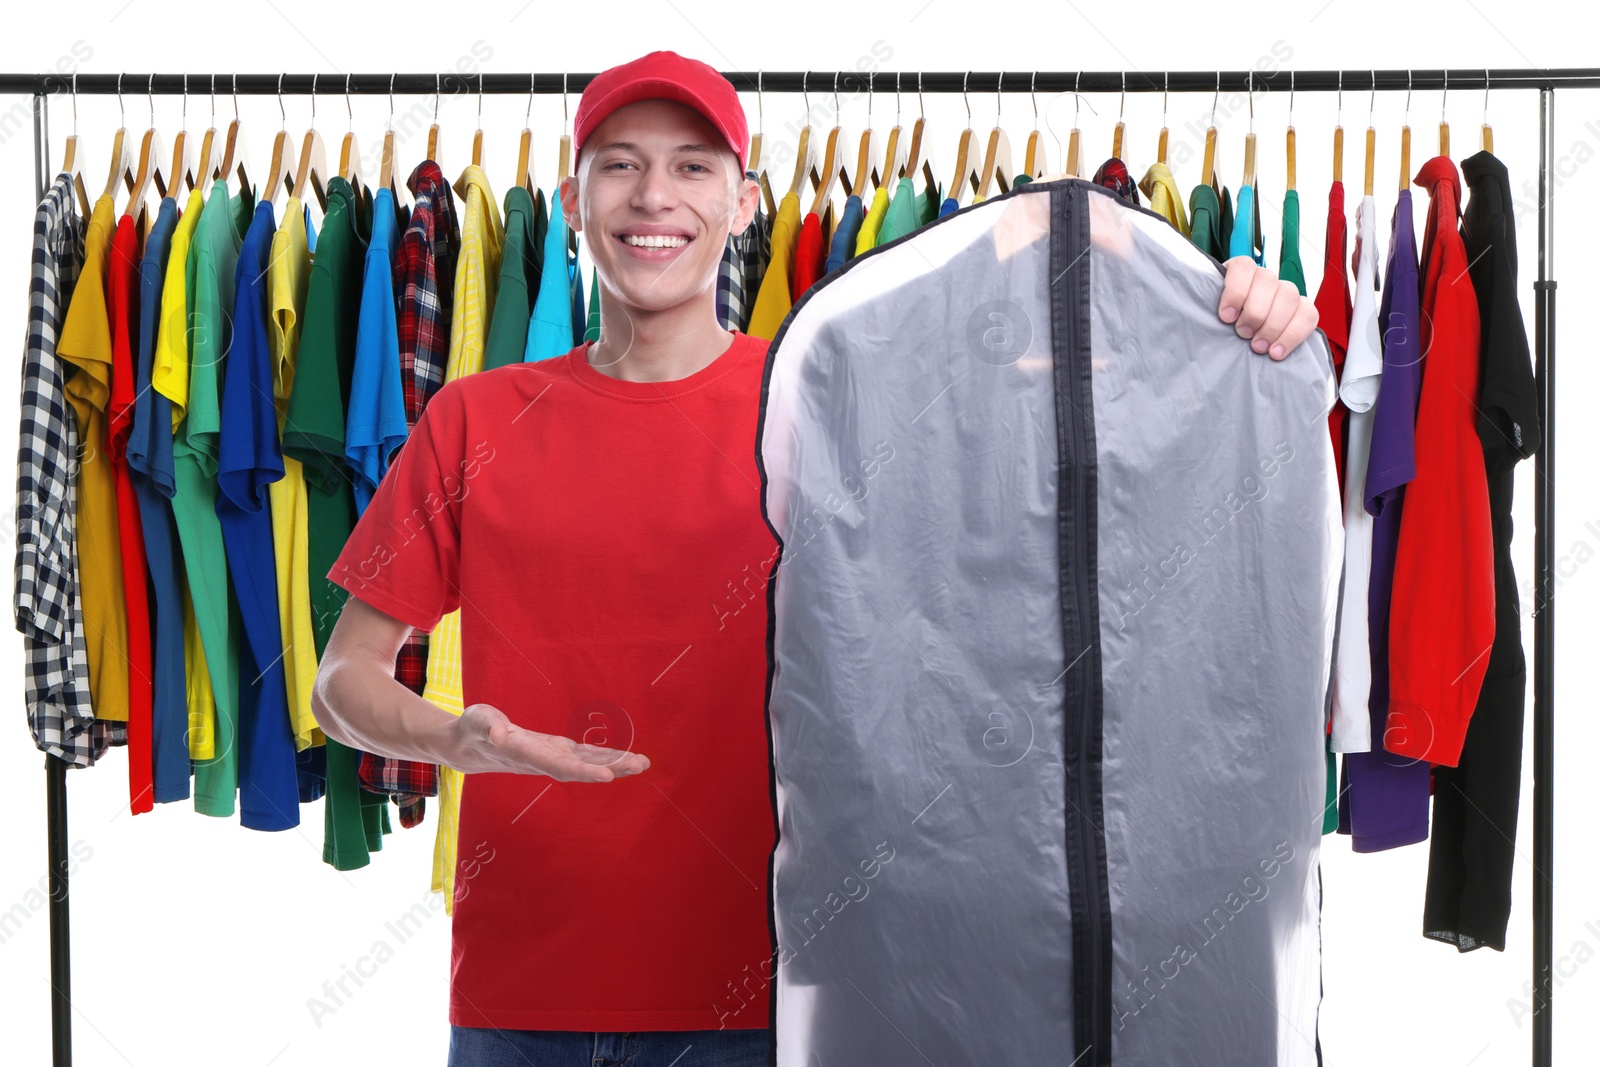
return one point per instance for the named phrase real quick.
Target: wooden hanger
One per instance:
(72, 156)
(832, 159)
(1075, 138)
(866, 155)
(433, 130)
(1488, 134)
(1250, 136)
(1117, 130)
(181, 173)
(150, 172)
(235, 150)
(1444, 126)
(1161, 145)
(1033, 163)
(895, 151)
(1338, 135)
(1208, 158)
(1372, 140)
(349, 150)
(1289, 137)
(805, 157)
(1405, 140)
(121, 171)
(996, 157)
(209, 159)
(312, 174)
(281, 171)
(524, 171)
(386, 151)
(964, 181)
(564, 148)
(920, 153)
(477, 136)
(757, 163)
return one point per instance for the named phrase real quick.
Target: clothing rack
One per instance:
(1545, 81)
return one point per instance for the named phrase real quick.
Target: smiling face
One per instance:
(658, 192)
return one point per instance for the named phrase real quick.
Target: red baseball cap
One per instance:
(665, 76)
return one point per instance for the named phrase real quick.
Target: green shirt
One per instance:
(354, 820)
(1210, 221)
(1289, 268)
(591, 331)
(902, 216)
(521, 264)
(213, 256)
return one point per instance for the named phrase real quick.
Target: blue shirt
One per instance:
(375, 423)
(949, 207)
(1242, 242)
(843, 245)
(249, 459)
(154, 484)
(558, 316)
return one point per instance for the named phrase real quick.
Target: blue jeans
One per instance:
(478, 1047)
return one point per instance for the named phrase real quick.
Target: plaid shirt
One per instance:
(730, 287)
(749, 253)
(427, 254)
(47, 595)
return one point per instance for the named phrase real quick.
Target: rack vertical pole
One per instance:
(1544, 618)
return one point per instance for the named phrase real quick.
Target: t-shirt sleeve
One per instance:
(1508, 415)
(404, 555)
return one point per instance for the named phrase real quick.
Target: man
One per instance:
(596, 518)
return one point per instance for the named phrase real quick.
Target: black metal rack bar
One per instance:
(1546, 81)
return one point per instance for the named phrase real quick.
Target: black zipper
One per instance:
(1083, 708)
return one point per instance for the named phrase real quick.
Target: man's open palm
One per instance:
(490, 742)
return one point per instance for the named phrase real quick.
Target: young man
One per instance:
(596, 519)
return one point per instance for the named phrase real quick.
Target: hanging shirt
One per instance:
(1209, 224)
(591, 330)
(248, 459)
(1442, 614)
(808, 255)
(287, 276)
(903, 215)
(149, 455)
(1384, 802)
(580, 311)
(521, 268)
(1165, 198)
(482, 240)
(1113, 174)
(48, 598)
(1289, 253)
(549, 331)
(730, 286)
(928, 203)
(949, 207)
(1245, 239)
(753, 248)
(1472, 851)
(773, 299)
(873, 220)
(354, 821)
(122, 281)
(1334, 309)
(376, 423)
(1363, 369)
(843, 246)
(213, 255)
(664, 516)
(169, 378)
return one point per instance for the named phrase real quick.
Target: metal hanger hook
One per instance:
(75, 102)
(1338, 116)
(964, 99)
(1408, 96)
(1291, 99)
(1166, 79)
(1122, 101)
(872, 80)
(836, 98)
(349, 112)
(1214, 94)
(527, 115)
(1372, 99)
(563, 101)
(1486, 96)
(1250, 92)
(1077, 99)
(805, 94)
(121, 107)
(760, 116)
(213, 97)
(1445, 94)
(314, 78)
(283, 116)
(185, 100)
(922, 108)
(233, 91)
(150, 92)
(1033, 93)
(436, 97)
(999, 98)
(391, 100)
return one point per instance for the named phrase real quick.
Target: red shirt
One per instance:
(1442, 605)
(605, 543)
(809, 258)
(122, 282)
(1333, 315)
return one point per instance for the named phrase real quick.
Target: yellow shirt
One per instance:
(773, 301)
(477, 273)
(169, 376)
(1166, 199)
(868, 237)
(86, 342)
(288, 270)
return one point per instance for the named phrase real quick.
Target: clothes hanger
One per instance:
(964, 181)
(209, 160)
(150, 171)
(182, 173)
(72, 156)
(920, 155)
(1338, 135)
(1289, 138)
(524, 172)
(433, 130)
(120, 171)
(996, 154)
(1161, 145)
(235, 149)
(1075, 139)
(564, 147)
(1488, 134)
(477, 135)
(757, 163)
(313, 170)
(1250, 133)
(1116, 131)
(1208, 158)
(866, 155)
(1405, 139)
(1372, 139)
(832, 163)
(1444, 125)
(1033, 163)
(386, 151)
(894, 153)
(805, 152)
(281, 170)
(349, 150)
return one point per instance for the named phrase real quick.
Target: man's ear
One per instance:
(569, 202)
(747, 199)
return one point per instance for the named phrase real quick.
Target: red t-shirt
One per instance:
(1333, 316)
(122, 282)
(1442, 605)
(605, 543)
(809, 256)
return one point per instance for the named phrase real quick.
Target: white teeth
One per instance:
(654, 241)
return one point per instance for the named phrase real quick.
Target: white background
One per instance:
(198, 942)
